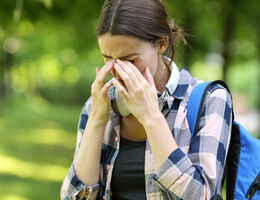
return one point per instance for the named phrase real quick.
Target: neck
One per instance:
(132, 129)
(161, 76)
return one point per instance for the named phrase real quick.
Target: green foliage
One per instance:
(54, 50)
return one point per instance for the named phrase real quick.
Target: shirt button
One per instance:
(108, 167)
(116, 139)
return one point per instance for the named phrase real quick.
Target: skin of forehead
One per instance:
(117, 46)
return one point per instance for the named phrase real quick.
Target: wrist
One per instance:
(98, 119)
(152, 119)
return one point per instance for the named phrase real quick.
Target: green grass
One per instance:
(37, 143)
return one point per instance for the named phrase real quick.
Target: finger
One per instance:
(137, 73)
(107, 67)
(102, 74)
(149, 77)
(120, 88)
(97, 70)
(106, 87)
(130, 69)
(106, 64)
(125, 77)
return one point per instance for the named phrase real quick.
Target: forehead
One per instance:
(121, 45)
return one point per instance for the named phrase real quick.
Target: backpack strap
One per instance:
(196, 102)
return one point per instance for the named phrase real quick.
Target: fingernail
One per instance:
(109, 82)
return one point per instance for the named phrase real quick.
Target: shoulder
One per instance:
(219, 93)
(216, 102)
(209, 99)
(213, 91)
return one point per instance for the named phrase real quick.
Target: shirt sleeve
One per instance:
(198, 174)
(72, 188)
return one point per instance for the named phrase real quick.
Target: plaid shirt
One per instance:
(192, 171)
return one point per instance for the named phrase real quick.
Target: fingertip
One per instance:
(113, 80)
(106, 87)
(109, 82)
(148, 70)
(97, 69)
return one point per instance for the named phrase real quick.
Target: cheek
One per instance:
(140, 66)
(151, 64)
(150, 60)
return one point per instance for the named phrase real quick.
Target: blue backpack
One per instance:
(242, 168)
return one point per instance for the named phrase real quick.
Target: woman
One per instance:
(148, 154)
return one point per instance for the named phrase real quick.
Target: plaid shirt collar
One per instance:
(172, 91)
(184, 82)
(178, 82)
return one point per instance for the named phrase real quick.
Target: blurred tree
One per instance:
(50, 46)
(5, 65)
(229, 26)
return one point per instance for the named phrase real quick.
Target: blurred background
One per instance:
(48, 55)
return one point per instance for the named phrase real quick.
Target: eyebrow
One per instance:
(124, 57)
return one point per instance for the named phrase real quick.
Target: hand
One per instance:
(138, 91)
(100, 100)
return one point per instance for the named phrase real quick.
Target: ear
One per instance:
(162, 44)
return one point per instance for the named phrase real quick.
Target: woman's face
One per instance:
(127, 48)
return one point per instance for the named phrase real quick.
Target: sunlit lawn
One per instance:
(36, 148)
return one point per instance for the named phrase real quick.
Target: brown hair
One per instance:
(143, 19)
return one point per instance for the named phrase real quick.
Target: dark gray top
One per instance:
(128, 180)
